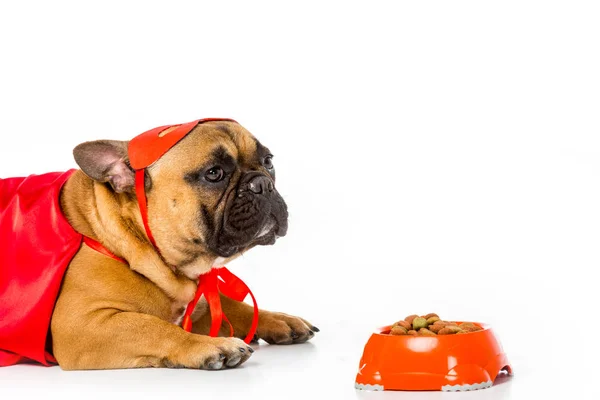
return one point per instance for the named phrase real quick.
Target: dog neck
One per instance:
(110, 218)
(114, 219)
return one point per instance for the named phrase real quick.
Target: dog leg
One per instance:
(112, 339)
(273, 327)
(107, 316)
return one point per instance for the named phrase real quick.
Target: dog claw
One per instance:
(234, 361)
(215, 365)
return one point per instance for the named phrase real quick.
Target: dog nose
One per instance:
(260, 184)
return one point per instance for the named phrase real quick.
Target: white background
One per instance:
(436, 157)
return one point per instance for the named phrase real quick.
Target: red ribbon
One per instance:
(140, 192)
(101, 249)
(210, 284)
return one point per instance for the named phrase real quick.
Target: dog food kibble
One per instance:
(471, 329)
(404, 324)
(449, 330)
(425, 332)
(435, 328)
(419, 323)
(431, 325)
(398, 330)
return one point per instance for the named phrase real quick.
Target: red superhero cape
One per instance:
(36, 245)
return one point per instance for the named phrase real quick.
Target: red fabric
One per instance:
(149, 146)
(92, 244)
(234, 288)
(210, 284)
(140, 192)
(36, 245)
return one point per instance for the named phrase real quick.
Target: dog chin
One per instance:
(267, 229)
(267, 235)
(219, 262)
(196, 268)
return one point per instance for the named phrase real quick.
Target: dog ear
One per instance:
(106, 161)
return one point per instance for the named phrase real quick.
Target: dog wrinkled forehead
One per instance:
(247, 148)
(146, 148)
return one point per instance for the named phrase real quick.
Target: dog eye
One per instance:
(268, 162)
(215, 174)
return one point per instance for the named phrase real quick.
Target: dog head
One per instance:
(210, 198)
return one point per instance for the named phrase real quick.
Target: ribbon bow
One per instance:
(210, 284)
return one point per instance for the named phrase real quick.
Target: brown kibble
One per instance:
(449, 330)
(431, 325)
(473, 328)
(403, 324)
(398, 330)
(419, 323)
(445, 331)
(425, 332)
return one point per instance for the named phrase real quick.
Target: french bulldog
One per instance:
(211, 198)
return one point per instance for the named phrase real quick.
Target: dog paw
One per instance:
(211, 354)
(226, 353)
(186, 291)
(279, 328)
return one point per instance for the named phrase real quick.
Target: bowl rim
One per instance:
(384, 331)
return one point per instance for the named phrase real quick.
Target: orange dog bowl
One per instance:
(448, 363)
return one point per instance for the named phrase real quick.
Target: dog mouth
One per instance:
(266, 236)
(269, 233)
(267, 229)
(249, 220)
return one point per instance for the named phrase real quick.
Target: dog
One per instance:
(210, 198)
